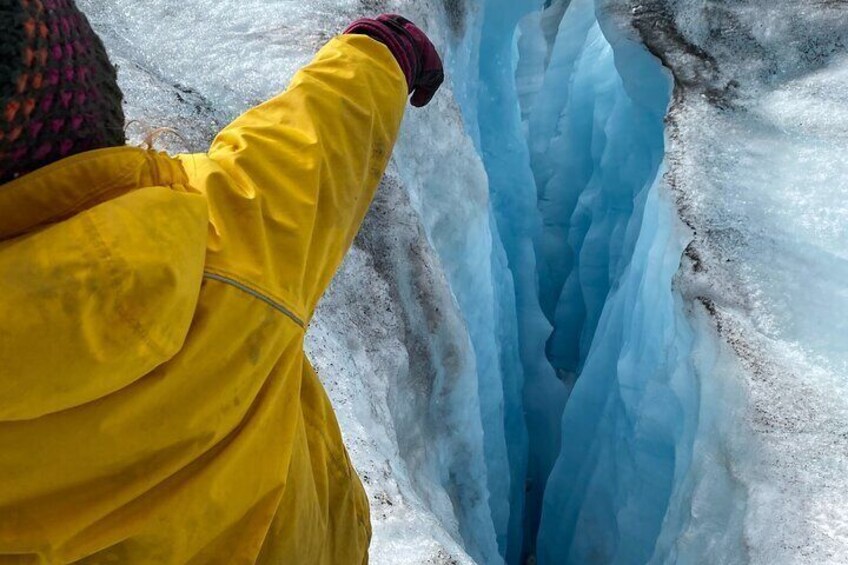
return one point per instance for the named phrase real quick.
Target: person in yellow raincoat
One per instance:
(156, 405)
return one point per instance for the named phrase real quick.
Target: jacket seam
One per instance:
(254, 291)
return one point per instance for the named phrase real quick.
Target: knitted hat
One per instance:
(58, 91)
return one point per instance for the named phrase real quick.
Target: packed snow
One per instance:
(597, 313)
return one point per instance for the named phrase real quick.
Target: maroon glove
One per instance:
(413, 50)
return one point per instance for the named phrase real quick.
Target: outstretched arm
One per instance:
(291, 180)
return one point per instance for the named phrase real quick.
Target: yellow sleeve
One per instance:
(289, 182)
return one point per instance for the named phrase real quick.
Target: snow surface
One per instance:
(597, 313)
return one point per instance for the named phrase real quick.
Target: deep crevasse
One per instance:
(514, 203)
(593, 245)
(611, 248)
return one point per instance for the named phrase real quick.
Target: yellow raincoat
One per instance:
(156, 405)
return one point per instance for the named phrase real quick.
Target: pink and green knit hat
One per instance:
(58, 91)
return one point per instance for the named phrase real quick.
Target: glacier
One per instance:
(597, 313)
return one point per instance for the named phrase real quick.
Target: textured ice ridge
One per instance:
(595, 247)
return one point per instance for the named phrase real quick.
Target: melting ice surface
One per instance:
(521, 364)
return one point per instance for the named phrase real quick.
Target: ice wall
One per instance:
(605, 245)
(573, 149)
(610, 249)
(709, 394)
(757, 133)
(513, 200)
(572, 134)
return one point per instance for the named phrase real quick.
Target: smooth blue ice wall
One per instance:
(610, 249)
(586, 244)
(514, 203)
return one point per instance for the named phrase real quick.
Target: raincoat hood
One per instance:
(101, 261)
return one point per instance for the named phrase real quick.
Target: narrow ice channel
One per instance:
(570, 116)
